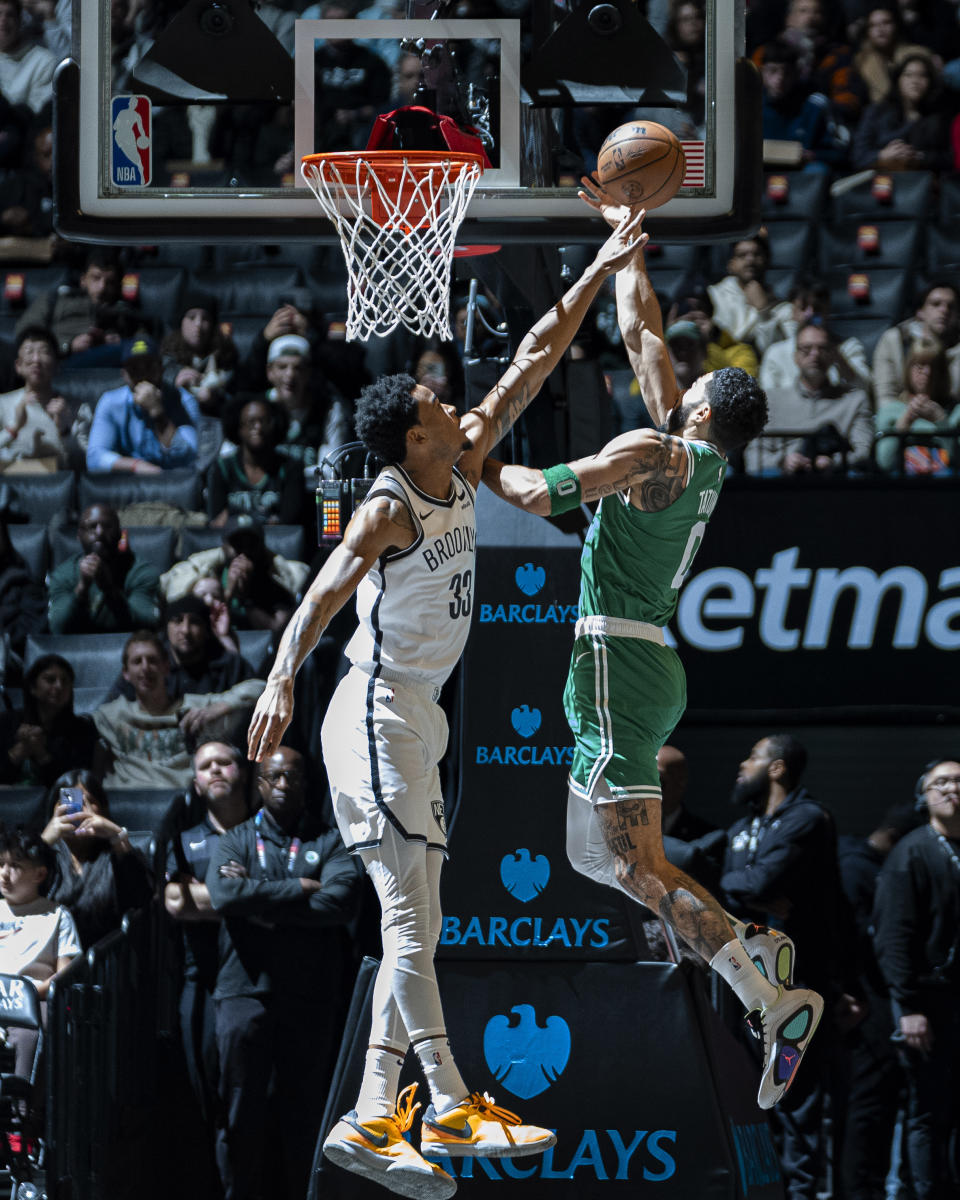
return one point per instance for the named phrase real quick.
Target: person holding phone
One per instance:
(97, 874)
(104, 588)
(145, 426)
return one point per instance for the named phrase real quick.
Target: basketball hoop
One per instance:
(397, 213)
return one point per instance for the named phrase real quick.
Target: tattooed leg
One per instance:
(631, 830)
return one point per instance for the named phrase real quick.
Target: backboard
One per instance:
(188, 121)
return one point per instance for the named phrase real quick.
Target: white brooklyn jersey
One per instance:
(415, 605)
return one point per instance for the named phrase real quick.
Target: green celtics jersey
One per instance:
(634, 562)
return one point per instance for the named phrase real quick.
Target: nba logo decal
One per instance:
(131, 158)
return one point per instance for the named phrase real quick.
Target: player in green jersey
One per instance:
(626, 689)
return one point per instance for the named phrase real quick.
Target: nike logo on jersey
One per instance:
(423, 516)
(463, 492)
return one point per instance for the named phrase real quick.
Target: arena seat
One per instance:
(30, 542)
(244, 332)
(673, 255)
(868, 329)
(153, 543)
(96, 658)
(159, 292)
(285, 540)
(943, 248)
(804, 199)
(949, 199)
(256, 646)
(249, 289)
(897, 244)
(910, 198)
(36, 282)
(792, 243)
(43, 497)
(179, 486)
(85, 385)
(26, 806)
(887, 297)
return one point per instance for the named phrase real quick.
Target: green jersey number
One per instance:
(689, 553)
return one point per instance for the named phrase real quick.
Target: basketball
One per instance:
(641, 163)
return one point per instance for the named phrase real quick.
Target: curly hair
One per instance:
(385, 411)
(232, 410)
(738, 407)
(26, 845)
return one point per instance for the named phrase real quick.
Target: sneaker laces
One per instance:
(484, 1106)
(406, 1109)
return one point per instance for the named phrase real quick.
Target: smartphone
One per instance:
(72, 799)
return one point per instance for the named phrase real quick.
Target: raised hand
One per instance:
(623, 243)
(596, 195)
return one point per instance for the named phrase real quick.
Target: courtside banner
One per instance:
(648, 1093)
(799, 596)
(510, 891)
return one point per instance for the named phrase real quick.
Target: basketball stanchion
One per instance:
(397, 213)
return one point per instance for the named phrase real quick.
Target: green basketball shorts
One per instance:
(623, 699)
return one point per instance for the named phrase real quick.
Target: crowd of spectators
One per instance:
(104, 379)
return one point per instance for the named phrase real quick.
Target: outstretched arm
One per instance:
(541, 350)
(650, 465)
(379, 525)
(638, 313)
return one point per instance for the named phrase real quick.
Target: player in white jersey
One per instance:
(408, 553)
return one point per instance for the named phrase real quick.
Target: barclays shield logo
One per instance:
(525, 720)
(524, 877)
(530, 579)
(524, 1056)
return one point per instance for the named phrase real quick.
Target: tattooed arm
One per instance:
(380, 525)
(650, 465)
(638, 314)
(541, 350)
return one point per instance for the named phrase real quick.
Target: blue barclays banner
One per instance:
(798, 597)
(647, 1092)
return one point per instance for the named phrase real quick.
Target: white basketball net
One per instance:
(399, 271)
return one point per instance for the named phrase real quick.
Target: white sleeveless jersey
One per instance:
(415, 606)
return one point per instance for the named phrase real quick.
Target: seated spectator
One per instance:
(144, 426)
(882, 48)
(687, 349)
(794, 113)
(38, 938)
(351, 85)
(908, 131)
(26, 69)
(686, 37)
(98, 876)
(692, 303)
(778, 367)
(256, 480)
(285, 888)
(23, 602)
(221, 789)
(438, 367)
(937, 319)
(146, 739)
(210, 590)
(49, 23)
(46, 733)
(105, 588)
(743, 305)
(834, 419)
(824, 65)
(320, 419)
(259, 587)
(27, 429)
(198, 664)
(925, 408)
(290, 318)
(199, 356)
(88, 322)
(26, 195)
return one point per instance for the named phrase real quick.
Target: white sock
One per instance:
(733, 964)
(444, 1080)
(381, 1080)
